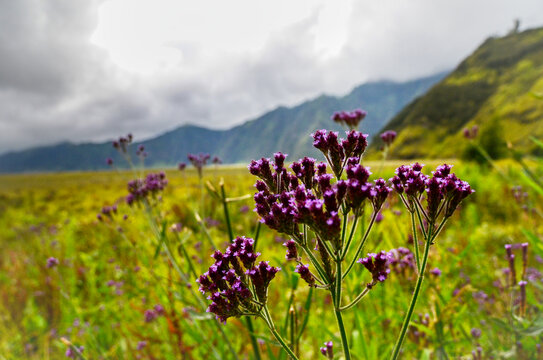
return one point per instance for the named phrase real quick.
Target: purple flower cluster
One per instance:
(307, 196)
(181, 166)
(236, 284)
(199, 161)
(140, 189)
(305, 274)
(71, 353)
(402, 261)
(377, 265)
(141, 152)
(444, 191)
(107, 211)
(338, 151)
(122, 143)
(51, 262)
(151, 315)
(471, 133)
(351, 119)
(328, 349)
(292, 251)
(388, 137)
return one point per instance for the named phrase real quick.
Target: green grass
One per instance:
(43, 215)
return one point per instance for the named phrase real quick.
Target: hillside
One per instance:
(283, 129)
(492, 88)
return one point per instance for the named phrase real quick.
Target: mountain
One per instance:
(283, 129)
(494, 88)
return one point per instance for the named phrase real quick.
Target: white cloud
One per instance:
(90, 70)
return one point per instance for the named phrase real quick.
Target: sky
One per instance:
(92, 70)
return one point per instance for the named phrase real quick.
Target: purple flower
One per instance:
(471, 133)
(109, 161)
(292, 252)
(159, 309)
(388, 137)
(350, 119)
(476, 333)
(71, 352)
(52, 262)
(435, 271)
(181, 166)
(141, 345)
(305, 274)
(377, 265)
(140, 189)
(150, 316)
(198, 161)
(230, 281)
(328, 350)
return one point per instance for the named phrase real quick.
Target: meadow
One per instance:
(123, 286)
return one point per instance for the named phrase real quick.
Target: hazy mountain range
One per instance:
(283, 129)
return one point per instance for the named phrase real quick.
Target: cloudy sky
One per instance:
(89, 70)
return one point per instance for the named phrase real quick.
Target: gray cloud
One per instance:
(55, 85)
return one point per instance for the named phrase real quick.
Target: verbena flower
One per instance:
(471, 133)
(52, 262)
(443, 190)
(292, 251)
(377, 265)
(140, 189)
(235, 283)
(351, 119)
(305, 274)
(122, 143)
(388, 137)
(198, 161)
(328, 349)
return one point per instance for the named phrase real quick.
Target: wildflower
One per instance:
(217, 160)
(159, 309)
(305, 274)
(52, 262)
(377, 265)
(181, 166)
(150, 186)
(141, 345)
(337, 151)
(198, 161)
(476, 333)
(351, 119)
(471, 133)
(292, 252)
(327, 350)
(109, 161)
(71, 352)
(435, 271)
(235, 283)
(122, 143)
(150, 315)
(388, 137)
(522, 284)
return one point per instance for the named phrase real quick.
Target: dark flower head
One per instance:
(217, 160)
(230, 280)
(109, 161)
(305, 274)
(52, 262)
(350, 119)
(181, 166)
(388, 137)
(377, 265)
(292, 251)
(199, 161)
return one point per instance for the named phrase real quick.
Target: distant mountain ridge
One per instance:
(495, 87)
(282, 129)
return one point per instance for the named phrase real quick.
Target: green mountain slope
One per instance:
(283, 129)
(493, 87)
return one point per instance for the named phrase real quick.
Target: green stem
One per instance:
(361, 245)
(337, 303)
(414, 297)
(277, 336)
(226, 212)
(348, 245)
(356, 300)
(254, 343)
(316, 264)
(415, 240)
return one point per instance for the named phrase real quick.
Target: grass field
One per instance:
(111, 272)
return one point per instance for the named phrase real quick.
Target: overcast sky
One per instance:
(88, 70)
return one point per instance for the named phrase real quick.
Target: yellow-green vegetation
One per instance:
(498, 83)
(111, 271)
